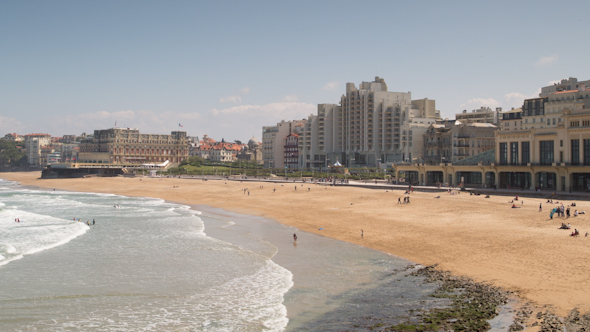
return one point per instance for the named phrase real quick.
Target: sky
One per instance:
(228, 68)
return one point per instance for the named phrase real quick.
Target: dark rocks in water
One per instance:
(551, 323)
(575, 322)
(473, 304)
(516, 327)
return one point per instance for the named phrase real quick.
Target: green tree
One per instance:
(10, 154)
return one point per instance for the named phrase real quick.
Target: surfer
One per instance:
(93, 222)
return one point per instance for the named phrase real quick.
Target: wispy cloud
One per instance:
(146, 121)
(476, 103)
(10, 125)
(547, 60)
(274, 111)
(235, 98)
(331, 86)
(290, 98)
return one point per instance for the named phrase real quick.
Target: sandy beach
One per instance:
(521, 250)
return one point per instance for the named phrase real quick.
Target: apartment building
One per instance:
(565, 84)
(273, 141)
(34, 144)
(456, 142)
(291, 151)
(512, 120)
(481, 115)
(371, 126)
(129, 146)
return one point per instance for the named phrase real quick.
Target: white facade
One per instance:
(480, 115)
(33, 144)
(564, 85)
(371, 126)
(273, 141)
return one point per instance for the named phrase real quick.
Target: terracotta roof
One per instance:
(37, 134)
(567, 91)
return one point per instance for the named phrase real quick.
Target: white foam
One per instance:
(34, 233)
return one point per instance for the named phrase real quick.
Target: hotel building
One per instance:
(371, 126)
(129, 146)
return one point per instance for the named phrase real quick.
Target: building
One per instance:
(34, 144)
(552, 150)
(273, 141)
(456, 142)
(437, 144)
(481, 115)
(370, 127)
(512, 120)
(14, 137)
(564, 85)
(317, 138)
(291, 159)
(129, 146)
(252, 151)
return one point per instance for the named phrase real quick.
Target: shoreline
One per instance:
(487, 237)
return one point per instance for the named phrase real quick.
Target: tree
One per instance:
(10, 154)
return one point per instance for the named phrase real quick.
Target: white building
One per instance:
(564, 85)
(273, 141)
(371, 126)
(33, 145)
(481, 115)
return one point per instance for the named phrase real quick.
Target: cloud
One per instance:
(235, 98)
(331, 86)
(271, 111)
(547, 60)
(476, 103)
(290, 98)
(10, 125)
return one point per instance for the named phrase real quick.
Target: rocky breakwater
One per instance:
(472, 304)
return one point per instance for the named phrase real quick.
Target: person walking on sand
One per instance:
(540, 207)
(362, 234)
(399, 200)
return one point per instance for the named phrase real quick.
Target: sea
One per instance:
(72, 261)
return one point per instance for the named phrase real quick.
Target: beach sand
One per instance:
(521, 250)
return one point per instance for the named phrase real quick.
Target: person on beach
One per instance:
(93, 222)
(540, 207)
(294, 237)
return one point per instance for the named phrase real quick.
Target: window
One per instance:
(547, 152)
(561, 143)
(526, 152)
(553, 120)
(586, 151)
(503, 153)
(514, 153)
(548, 121)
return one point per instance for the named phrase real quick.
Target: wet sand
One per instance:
(518, 249)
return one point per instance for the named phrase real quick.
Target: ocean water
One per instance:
(145, 266)
(151, 265)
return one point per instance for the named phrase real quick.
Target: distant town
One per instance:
(544, 144)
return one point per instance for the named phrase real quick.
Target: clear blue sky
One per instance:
(228, 68)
